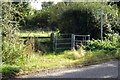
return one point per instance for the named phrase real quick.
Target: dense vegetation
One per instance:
(12, 48)
(78, 18)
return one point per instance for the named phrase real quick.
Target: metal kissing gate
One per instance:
(68, 41)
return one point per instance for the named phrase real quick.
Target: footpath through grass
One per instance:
(57, 59)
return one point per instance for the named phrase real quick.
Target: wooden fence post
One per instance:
(72, 41)
(52, 41)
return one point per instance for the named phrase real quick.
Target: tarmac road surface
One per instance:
(103, 70)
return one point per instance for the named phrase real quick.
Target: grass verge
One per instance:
(58, 59)
(9, 70)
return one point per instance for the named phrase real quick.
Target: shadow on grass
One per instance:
(9, 71)
(55, 52)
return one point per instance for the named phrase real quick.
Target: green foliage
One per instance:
(9, 70)
(98, 44)
(24, 13)
(40, 47)
(64, 58)
(46, 4)
(12, 48)
(110, 42)
(40, 20)
(65, 17)
(69, 55)
(82, 18)
(12, 51)
(97, 56)
(75, 17)
(36, 33)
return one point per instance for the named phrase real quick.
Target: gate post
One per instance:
(52, 41)
(88, 37)
(72, 41)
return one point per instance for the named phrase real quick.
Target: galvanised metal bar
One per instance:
(81, 35)
(84, 39)
(63, 34)
(88, 37)
(72, 41)
(59, 37)
(65, 39)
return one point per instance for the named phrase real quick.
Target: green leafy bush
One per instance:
(109, 43)
(12, 48)
(98, 44)
(75, 17)
(82, 18)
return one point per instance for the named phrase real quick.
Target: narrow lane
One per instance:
(104, 70)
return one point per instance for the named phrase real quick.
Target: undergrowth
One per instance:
(36, 62)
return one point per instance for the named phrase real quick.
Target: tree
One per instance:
(82, 18)
(46, 4)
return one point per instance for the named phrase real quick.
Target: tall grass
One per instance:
(12, 50)
(9, 70)
(58, 59)
(36, 62)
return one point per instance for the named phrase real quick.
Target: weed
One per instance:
(109, 43)
(12, 50)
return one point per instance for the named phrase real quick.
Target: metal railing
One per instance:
(60, 39)
(69, 41)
